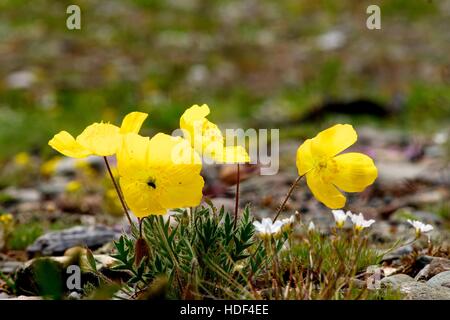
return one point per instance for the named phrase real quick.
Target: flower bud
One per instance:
(141, 251)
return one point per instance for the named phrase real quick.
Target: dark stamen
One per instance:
(151, 183)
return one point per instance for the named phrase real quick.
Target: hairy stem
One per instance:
(287, 197)
(118, 191)
(236, 206)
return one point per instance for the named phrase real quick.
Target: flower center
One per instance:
(327, 169)
(151, 183)
(323, 164)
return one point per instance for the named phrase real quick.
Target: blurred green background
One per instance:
(257, 63)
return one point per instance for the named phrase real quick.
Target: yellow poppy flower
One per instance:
(22, 159)
(326, 170)
(73, 186)
(159, 174)
(100, 139)
(206, 137)
(6, 218)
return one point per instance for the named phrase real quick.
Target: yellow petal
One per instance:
(132, 122)
(324, 191)
(179, 151)
(305, 159)
(159, 174)
(236, 154)
(165, 149)
(332, 141)
(141, 199)
(64, 143)
(179, 177)
(192, 114)
(210, 142)
(192, 122)
(354, 172)
(133, 155)
(203, 135)
(102, 139)
(183, 186)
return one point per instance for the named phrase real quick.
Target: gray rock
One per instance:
(381, 232)
(428, 217)
(373, 269)
(68, 166)
(391, 173)
(401, 215)
(23, 195)
(422, 291)
(422, 261)
(22, 297)
(396, 281)
(437, 265)
(74, 296)
(8, 267)
(331, 40)
(440, 279)
(32, 276)
(56, 243)
(21, 79)
(398, 253)
(227, 203)
(4, 296)
(423, 273)
(381, 138)
(54, 187)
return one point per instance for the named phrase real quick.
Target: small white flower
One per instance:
(311, 226)
(420, 227)
(340, 217)
(267, 229)
(359, 222)
(288, 223)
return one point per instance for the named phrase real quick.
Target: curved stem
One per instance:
(394, 246)
(118, 191)
(236, 205)
(287, 197)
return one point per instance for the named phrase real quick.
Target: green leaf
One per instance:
(91, 260)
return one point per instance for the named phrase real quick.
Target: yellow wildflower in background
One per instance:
(82, 164)
(327, 170)
(112, 203)
(48, 168)
(85, 167)
(6, 228)
(206, 137)
(158, 174)
(6, 219)
(22, 159)
(100, 139)
(73, 186)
